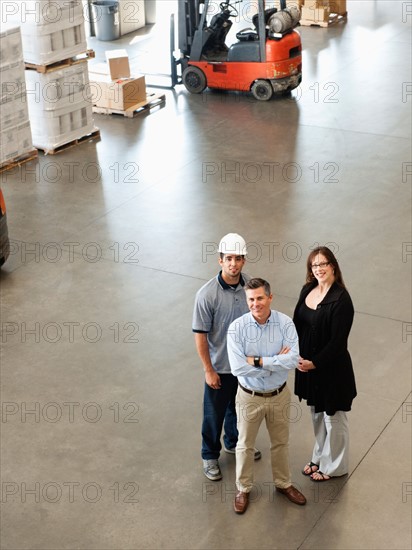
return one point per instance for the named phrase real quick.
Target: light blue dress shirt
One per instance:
(247, 338)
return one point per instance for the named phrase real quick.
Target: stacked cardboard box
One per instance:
(112, 86)
(59, 105)
(52, 30)
(315, 10)
(338, 6)
(15, 130)
(321, 10)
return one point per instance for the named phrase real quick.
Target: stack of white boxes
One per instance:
(52, 30)
(15, 132)
(60, 106)
(59, 102)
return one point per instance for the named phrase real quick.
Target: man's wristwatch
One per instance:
(256, 361)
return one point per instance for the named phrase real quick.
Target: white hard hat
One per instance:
(232, 243)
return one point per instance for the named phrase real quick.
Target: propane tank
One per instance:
(284, 20)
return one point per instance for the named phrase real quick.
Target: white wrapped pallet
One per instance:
(52, 30)
(11, 47)
(12, 79)
(52, 129)
(59, 87)
(16, 142)
(13, 112)
(15, 134)
(60, 106)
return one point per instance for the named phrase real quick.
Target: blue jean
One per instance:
(219, 410)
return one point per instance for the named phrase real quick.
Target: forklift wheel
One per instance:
(194, 79)
(262, 90)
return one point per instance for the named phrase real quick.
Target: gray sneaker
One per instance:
(211, 469)
(258, 454)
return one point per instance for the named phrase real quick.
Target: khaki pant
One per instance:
(251, 410)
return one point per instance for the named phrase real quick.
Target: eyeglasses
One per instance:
(322, 264)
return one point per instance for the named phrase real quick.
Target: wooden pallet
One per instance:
(22, 159)
(152, 100)
(64, 63)
(333, 19)
(93, 135)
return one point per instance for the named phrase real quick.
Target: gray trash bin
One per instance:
(150, 11)
(106, 19)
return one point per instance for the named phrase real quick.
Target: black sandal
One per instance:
(312, 471)
(324, 477)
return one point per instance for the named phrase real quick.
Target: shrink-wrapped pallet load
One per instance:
(52, 30)
(15, 131)
(60, 106)
(53, 37)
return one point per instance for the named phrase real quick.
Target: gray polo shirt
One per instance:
(216, 305)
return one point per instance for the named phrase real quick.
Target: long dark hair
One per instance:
(325, 251)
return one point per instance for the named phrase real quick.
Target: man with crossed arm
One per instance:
(262, 348)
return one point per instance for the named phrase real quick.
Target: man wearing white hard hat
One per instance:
(219, 302)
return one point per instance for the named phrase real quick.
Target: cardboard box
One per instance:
(318, 15)
(118, 62)
(335, 6)
(117, 95)
(313, 4)
(338, 6)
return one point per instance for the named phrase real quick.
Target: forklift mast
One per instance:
(188, 21)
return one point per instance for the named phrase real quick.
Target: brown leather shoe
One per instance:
(241, 502)
(293, 495)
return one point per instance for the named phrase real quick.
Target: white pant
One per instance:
(331, 450)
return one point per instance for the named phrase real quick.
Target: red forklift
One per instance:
(265, 60)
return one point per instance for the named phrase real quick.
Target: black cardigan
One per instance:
(331, 386)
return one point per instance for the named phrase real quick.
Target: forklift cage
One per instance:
(191, 39)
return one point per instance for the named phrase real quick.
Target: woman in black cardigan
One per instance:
(325, 379)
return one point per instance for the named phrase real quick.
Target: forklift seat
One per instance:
(247, 34)
(244, 51)
(253, 34)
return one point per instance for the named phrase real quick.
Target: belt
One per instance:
(269, 394)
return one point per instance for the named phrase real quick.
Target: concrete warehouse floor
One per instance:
(101, 384)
